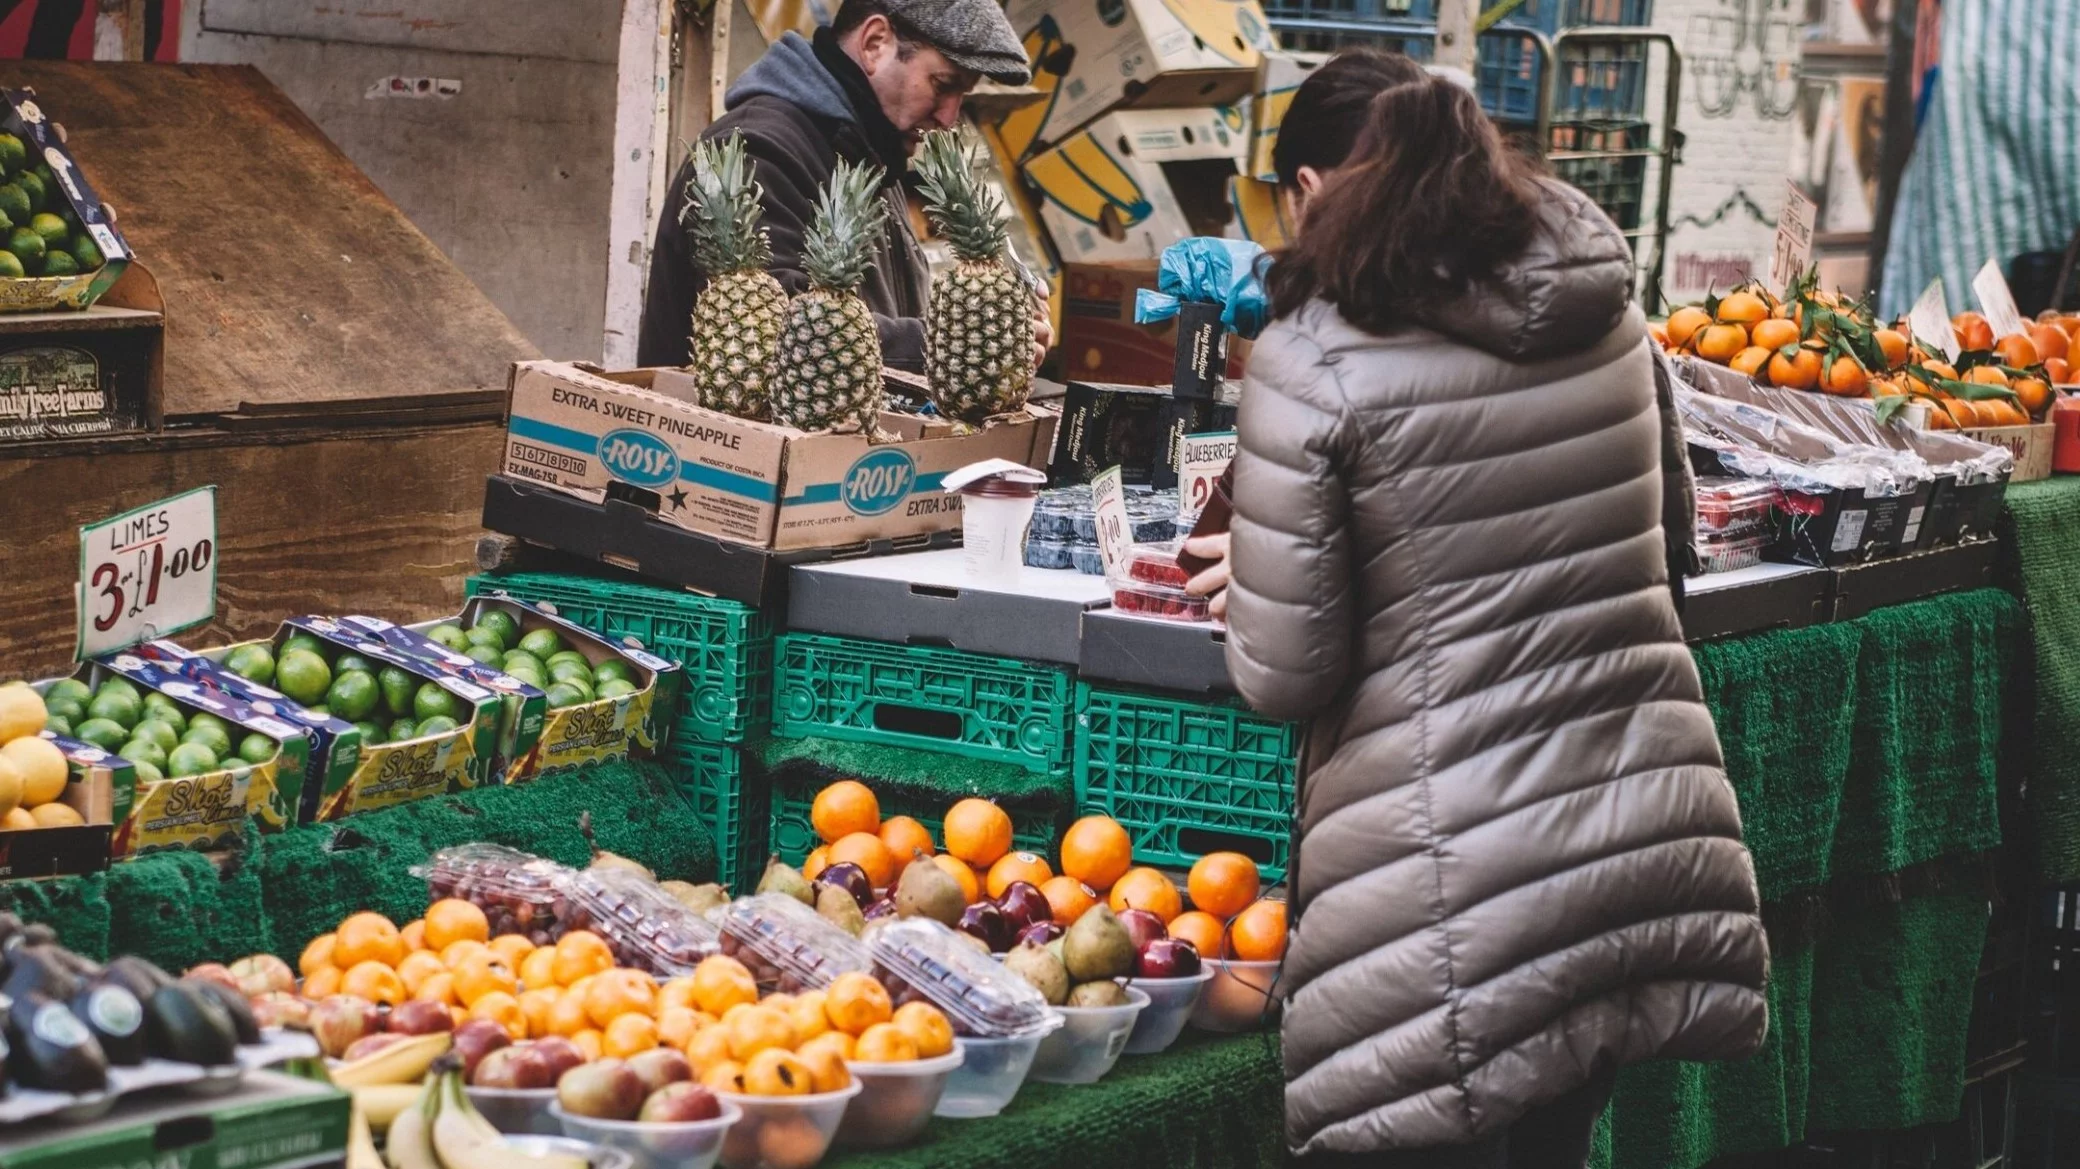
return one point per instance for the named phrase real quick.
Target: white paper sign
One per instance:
(1794, 248)
(1115, 533)
(147, 573)
(1200, 461)
(1930, 320)
(1997, 302)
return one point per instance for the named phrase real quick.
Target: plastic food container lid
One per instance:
(976, 992)
(493, 867)
(790, 937)
(643, 924)
(1152, 600)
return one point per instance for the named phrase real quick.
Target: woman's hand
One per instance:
(1213, 582)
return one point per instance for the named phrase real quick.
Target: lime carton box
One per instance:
(227, 763)
(1137, 181)
(269, 1120)
(43, 192)
(606, 700)
(524, 707)
(93, 780)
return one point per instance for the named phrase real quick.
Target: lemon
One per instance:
(56, 816)
(21, 712)
(42, 768)
(10, 787)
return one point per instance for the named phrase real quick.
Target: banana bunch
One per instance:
(404, 1062)
(442, 1130)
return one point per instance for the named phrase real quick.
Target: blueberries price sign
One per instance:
(1200, 460)
(1115, 534)
(147, 573)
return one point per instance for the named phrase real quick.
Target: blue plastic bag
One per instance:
(1226, 272)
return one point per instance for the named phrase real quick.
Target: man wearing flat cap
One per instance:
(865, 89)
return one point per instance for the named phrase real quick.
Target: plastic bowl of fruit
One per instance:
(1170, 1003)
(517, 1111)
(991, 1072)
(1240, 998)
(784, 1132)
(895, 1100)
(1090, 1042)
(688, 1144)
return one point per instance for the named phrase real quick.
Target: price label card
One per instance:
(1930, 320)
(1200, 461)
(1794, 250)
(1999, 304)
(1115, 533)
(147, 573)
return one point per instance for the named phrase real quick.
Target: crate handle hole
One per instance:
(940, 592)
(912, 720)
(1200, 841)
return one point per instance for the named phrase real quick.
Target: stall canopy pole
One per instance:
(1455, 33)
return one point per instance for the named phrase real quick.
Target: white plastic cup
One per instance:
(991, 1072)
(1090, 1042)
(896, 1100)
(1170, 1003)
(995, 514)
(692, 1144)
(793, 1132)
(1241, 996)
(517, 1111)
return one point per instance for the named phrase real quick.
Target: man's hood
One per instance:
(790, 70)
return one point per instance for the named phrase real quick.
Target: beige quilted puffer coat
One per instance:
(1519, 860)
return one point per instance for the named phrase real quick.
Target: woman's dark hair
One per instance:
(1424, 200)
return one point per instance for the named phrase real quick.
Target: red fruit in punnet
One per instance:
(476, 1039)
(369, 1045)
(1143, 927)
(1167, 958)
(680, 1104)
(1024, 904)
(515, 1067)
(420, 1018)
(338, 1022)
(562, 1054)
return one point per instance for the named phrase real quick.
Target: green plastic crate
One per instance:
(1185, 777)
(792, 836)
(711, 777)
(724, 647)
(1000, 710)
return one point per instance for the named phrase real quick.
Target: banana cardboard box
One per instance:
(1101, 341)
(94, 781)
(1278, 78)
(638, 435)
(199, 793)
(1260, 215)
(1090, 56)
(1137, 181)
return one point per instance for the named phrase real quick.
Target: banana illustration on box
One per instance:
(1233, 30)
(1085, 181)
(1259, 216)
(1019, 131)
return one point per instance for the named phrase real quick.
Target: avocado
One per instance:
(138, 976)
(236, 1006)
(184, 1024)
(116, 1018)
(36, 970)
(51, 1048)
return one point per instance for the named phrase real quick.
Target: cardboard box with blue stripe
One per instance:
(637, 436)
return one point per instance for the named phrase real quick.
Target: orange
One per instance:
(807, 1015)
(579, 953)
(315, 956)
(538, 969)
(438, 989)
(1146, 888)
(1742, 308)
(1893, 344)
(375, 982)
(757, 1029)
(827, 1070)
(417, 967)
(619, 992)
(2059, 370)
(774, 1072)
(413, 935)
(1069, 898)
(458, 1017)
(905, 838)
(677, 992)
(1203, 930)
(1017, 866)
(1223, 883)
(963, 874)
(1986, 375)
(453, 920)
(1941, 369)
(2033, 393)
(459, 952)
(483, 974)
(708, 1047)
(1973, 331)
(568, 1017)
(1659, 333)
(1096, 851)
(819, 859)
(866, 850)
(1684, 323)
(2050, 340)
(1846, 378)
(590, 1043)
(885, 1043)
(855, 1002)
(514, 948)
(1798, 372)
(676, 1025)
(366, 937)
(927, 1027)
(843, 808)
(502, 1009)
(1939, 418)
(629, 1035)
(1258, 934)
(322, 983)
(1750, 361)
(836, 1041)
(1774, 333)
(2017, 352)
(1965, 413)
(536, 1006)
(977, 831)
(721, 982)
(1721, 343)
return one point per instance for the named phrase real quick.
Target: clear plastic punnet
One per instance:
(519, 892)
(1726, 554)
(787, 947)
(1727, 508)
(977, 993)
(1758, 443)
(642, 924)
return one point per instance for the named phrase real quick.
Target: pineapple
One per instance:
(827, 372)
(736, 321)
(980, 337)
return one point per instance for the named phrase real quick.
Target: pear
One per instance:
(1103, 993)
(926, 890)
(1045, 971)
(781, 878)
(698, 898)
(839, 908)
(1097, 946)
(602, 859)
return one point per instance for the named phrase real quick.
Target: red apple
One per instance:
(420, 1018)
(680, 1103)
(658, 1067)
(1167, 958)
(562, 1054)
(1143, 927)
(282, 1010)
(984, 922)
(1024, 904)
(851, 878)
(340, 1020)
(215, 972)
(604, 1090)
(476, 1039)
(518, 1066)
(263, 974)
(1041, 932)
(369, 1045)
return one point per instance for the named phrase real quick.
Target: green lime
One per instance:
(14, 203)
(148, 772)
(105, 733)
(352, 695)
(27, 247)
(256, 748)
(42, 170)
(203, 735)
(67, 707)
(371, 733)
(116, 706)
(305, 641)
(159, 731)
(14, 154)
(39, 192)
(450, 635)
(10, 267)
(166, 710)
(542, 643)
(568, 655)
(254, 663)
(431, 701)
(209, 721)
(613, 668)
(486, 635)
(529, 675)
(520, 658)
(52, 229)
(500, 622)
(439, 724)
(58, 724)
(617, 688)
(120, 686)
(303, 676)
(191, 759)
(71, 688)
(144, 751)
(563, 671)
(58, 262)
(397, 687)
(483, 653)
(403, 729)
(87, 252)
(352, 661)
(564, 694)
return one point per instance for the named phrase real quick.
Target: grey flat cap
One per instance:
(974, 34)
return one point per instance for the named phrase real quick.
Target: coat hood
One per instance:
(790, 71)
(1564, 294)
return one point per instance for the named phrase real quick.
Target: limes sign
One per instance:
(148, 572)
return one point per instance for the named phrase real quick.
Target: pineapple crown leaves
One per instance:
(722, 210)
(849, 214)
(966, 211)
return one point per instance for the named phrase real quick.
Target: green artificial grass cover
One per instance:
(816, 762)
(2042, 543)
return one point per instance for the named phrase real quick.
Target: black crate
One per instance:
(1618, 185)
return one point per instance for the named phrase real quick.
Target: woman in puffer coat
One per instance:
(1518, 863)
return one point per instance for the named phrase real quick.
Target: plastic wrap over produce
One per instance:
(1762, 444)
